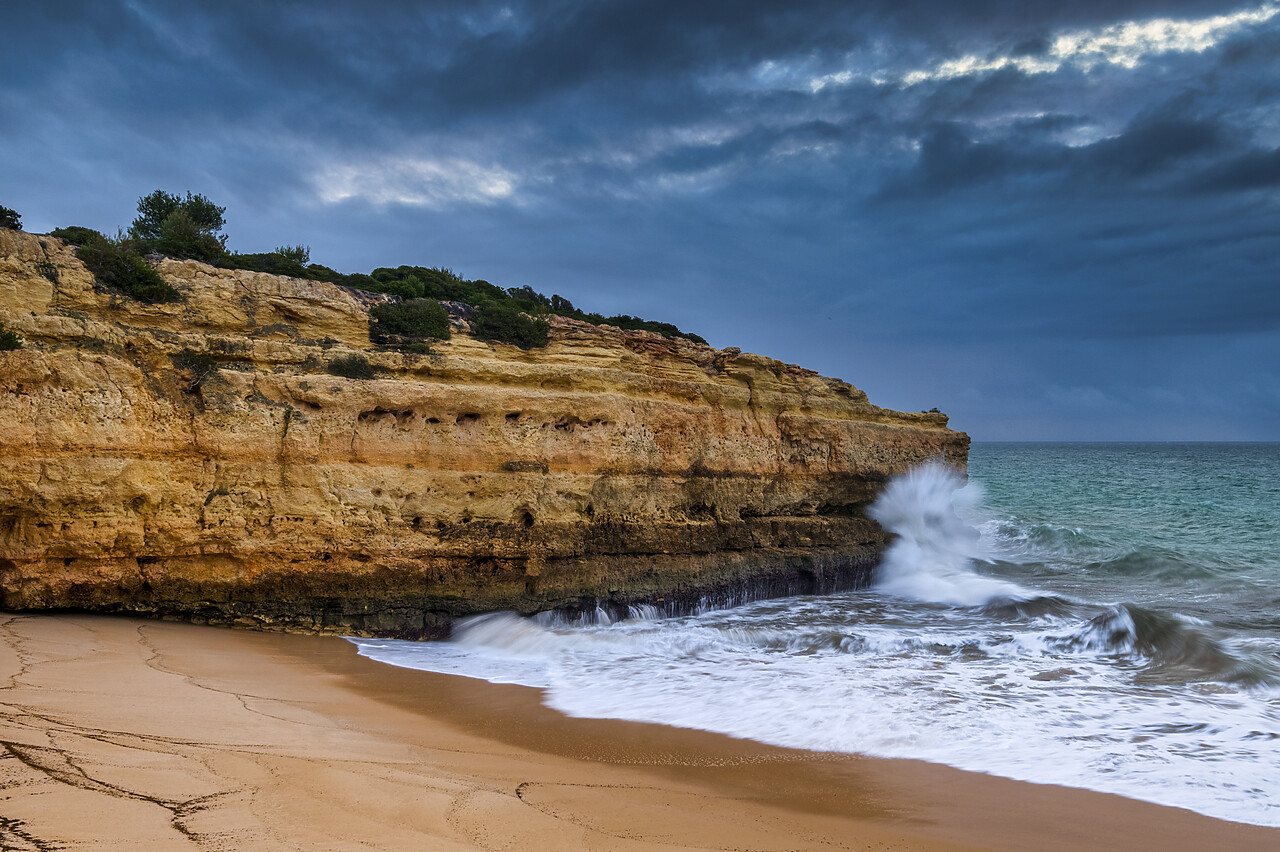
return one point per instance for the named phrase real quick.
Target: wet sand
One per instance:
(128, 734)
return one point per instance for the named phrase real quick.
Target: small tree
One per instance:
(180, 227)
(9, 218)
(153, 209)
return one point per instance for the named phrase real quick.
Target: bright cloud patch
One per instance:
(1128, 43)
(417, 182)
(1125, 45)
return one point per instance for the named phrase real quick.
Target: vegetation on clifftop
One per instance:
(118, 264)
(421, 318)
(506, 322)
(9, 218)
(190, 227)
(76, 235)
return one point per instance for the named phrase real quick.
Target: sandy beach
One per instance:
(130, 734)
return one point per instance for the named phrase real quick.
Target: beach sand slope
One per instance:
(126, 734)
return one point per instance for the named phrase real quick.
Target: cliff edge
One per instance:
(608, 467)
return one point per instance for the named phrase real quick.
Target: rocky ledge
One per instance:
(609, 468)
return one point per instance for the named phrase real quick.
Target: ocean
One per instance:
(1104, 616)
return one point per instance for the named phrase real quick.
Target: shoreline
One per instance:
(126, 733)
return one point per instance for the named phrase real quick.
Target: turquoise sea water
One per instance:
(1104, 616)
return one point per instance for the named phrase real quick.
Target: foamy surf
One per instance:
(1048, 669)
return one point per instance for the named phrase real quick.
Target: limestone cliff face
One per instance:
(610, 466)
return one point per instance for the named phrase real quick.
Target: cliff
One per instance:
(609, 466)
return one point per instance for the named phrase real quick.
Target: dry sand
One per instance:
(140, 735)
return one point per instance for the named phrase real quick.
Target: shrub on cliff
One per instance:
(9, 339)
(505, 323)
(9, 218)
(356, 280)
(76, 235)
(420, 282)
(415, 318)
(199, 365)
(273, 263)
(155, 208)
(181, 237)
(351, 367)
(180, 227)
(300, 255)
(118, 264)
(294, 261)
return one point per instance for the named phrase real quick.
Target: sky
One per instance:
(1053, 221)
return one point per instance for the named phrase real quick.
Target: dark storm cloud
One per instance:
(770, 175)
(1156, 145)
(1248, 172)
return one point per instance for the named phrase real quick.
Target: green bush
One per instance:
(9, 218)
(76, 235)
(356, 280)
(630, 323)
(420, 282)
(271, 262)
(180, 236)
(300, 255)
(351, 367)
(118, 264)
(414, 318)
(505, 323)
(9, 339)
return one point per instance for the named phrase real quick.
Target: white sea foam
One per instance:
(1041, 702)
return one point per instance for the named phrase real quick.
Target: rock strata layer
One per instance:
(610, 467)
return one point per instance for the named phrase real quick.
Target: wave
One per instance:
(932, 557)
(1174, 648)
(1154, 562)
(1040, 606)
(1042, 540)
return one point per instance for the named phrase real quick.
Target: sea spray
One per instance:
(932, 557)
